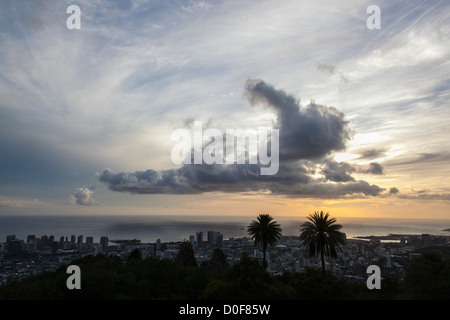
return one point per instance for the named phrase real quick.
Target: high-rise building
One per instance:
(219, 240)
(157, 248)
(104, 243)
(15, 247)
(199, 236)
(31, 246)
(90, 240)
(66, 244)
(39, 244)
(215, 238)
(43, 242)
(212, 237)
(61, 242)
(89, 243)
(158, 244)
(80, 239)
(55, 246)
(9, 238)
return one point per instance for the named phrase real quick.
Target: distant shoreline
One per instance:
(398, 236)
(176, 228)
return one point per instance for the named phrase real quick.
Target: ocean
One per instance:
(178, 228)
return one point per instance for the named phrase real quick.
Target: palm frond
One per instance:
(320, 233)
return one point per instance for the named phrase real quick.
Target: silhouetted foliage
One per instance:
(246, 279)
(321, 236)
(135, 255)
(264, 231)
(428, 277)
(218, 262)
(308, 285)
(110, 277)
(186, 255)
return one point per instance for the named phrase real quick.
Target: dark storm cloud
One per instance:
(307, 136)
(195, 179)
(337, 171)
(309, 132)
(335, 190)
(200, 178)
(394, 190)
(375, 168)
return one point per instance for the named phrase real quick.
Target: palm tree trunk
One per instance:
(264, 255)
(322, 257)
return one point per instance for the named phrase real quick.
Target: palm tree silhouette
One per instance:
(264, 231)
(321, 235)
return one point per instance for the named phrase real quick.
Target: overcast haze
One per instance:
(86, 116)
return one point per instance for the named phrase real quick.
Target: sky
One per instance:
(87, 115)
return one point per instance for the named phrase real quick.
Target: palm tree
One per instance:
(264, 231)
(321, 235)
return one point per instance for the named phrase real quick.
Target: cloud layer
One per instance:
(74, 102)
(308, 136)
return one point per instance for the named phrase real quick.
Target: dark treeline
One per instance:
(110, 277)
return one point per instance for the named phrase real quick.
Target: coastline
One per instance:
(177, 228)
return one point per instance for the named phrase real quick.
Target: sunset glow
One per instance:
(87, 114)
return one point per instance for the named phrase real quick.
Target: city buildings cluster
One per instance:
(20, 259)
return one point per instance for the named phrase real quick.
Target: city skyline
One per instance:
(87, 115)
(393, 253)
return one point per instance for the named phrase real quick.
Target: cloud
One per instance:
(309, 132)
(424, 158)
(375, 168)
(196, 179)
(8, 203)
(337, 190)
(394, 190)
(308, 135)
(74, 102)
(82, 196)
(372, 153)
(337, 171)
(425, 195)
